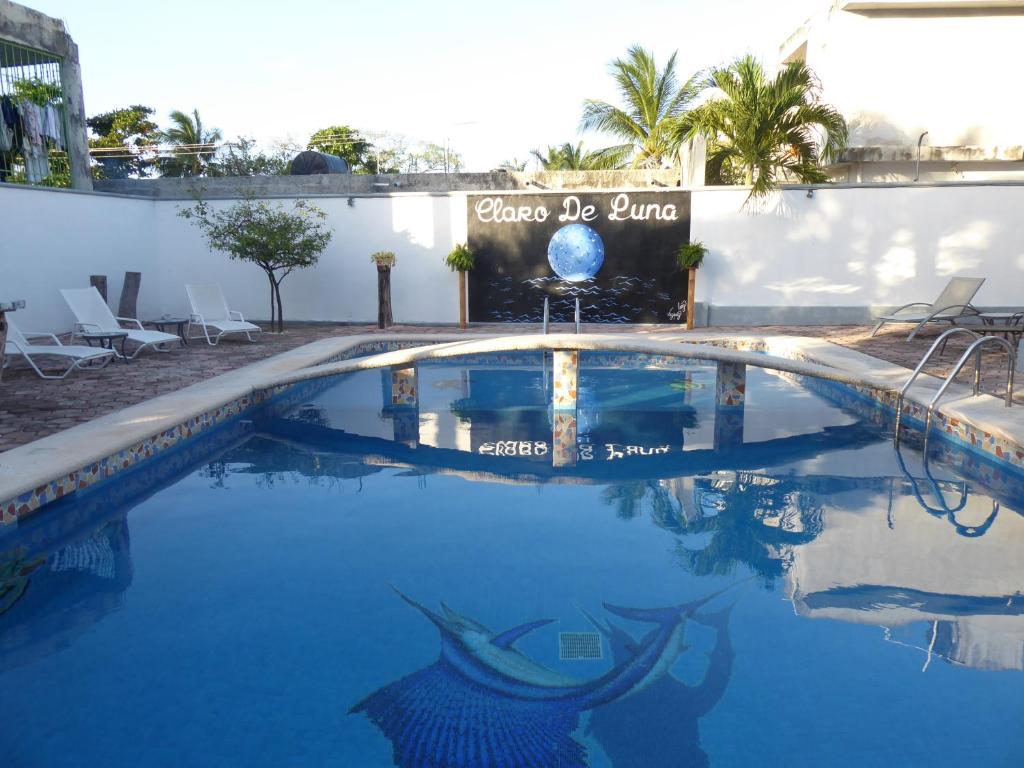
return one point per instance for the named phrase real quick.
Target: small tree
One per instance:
(272, 237)
(460, 261)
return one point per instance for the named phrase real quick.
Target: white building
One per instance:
(897, 69)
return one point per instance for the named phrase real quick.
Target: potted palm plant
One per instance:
(690, 256)
(384, 260)
(460, 261)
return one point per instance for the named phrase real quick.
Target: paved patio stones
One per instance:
(31, 408)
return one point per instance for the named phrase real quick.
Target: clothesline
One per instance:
(28, 129)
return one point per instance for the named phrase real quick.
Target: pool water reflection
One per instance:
(360, 581)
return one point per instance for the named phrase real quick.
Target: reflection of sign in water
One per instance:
(612, 251)
(540, 448)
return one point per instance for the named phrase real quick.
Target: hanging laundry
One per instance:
(37, 164)
(52, 126)
(10, 125)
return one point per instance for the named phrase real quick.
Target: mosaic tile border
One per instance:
(14, 509)
(956, 431)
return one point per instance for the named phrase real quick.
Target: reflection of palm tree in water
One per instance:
(658, 725)
(628, 499)
(752, 519)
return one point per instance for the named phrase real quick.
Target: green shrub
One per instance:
(691, 255)
(461, 259)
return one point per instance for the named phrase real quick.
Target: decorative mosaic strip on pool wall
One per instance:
(404, 390)
(28, 502)
(730, 385)
(565, 370)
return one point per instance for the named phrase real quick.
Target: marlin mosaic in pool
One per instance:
(438, 568)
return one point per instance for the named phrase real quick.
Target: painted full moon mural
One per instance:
(576, 253)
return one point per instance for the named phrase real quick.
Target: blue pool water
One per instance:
(333, 583)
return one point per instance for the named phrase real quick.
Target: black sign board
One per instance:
(615, 251)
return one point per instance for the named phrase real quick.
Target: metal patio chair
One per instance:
(19, 344)
(92, 315)
(210, 312)
(954, 302)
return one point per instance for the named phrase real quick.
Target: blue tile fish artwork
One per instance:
(485, 704)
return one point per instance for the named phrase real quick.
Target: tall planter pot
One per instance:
(691, 290)
(384, 319)
(462, 299)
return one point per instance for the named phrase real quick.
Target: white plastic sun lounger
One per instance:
(19, 343)
(92, 314)
(210, 312)
(954, 302)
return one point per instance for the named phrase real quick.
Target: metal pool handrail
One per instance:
(945, 511)
(939, 342)
(975, 349)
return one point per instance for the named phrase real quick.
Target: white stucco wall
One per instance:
(844, 247)
(860, 246)
(52, 239)
(894, 74)
(420, 229)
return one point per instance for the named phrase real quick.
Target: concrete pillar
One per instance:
(405, 406)
(730, 396)
(74, 109)
(563, 439)
(730, 385)
(692, 159)
(565, 374)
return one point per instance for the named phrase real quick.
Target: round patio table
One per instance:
(179, 324)
(106, 340)
(1009, 324)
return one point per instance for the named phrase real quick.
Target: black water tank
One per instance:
(309, 162)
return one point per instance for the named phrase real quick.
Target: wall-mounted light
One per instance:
(537, 184)
(810, 193)
(656, 183)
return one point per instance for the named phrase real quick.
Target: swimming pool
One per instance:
(474, 578)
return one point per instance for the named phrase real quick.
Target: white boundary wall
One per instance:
(51, 239)
(828, 258)
(420, 229)
(860, 246)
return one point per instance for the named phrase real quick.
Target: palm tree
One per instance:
(566, 157)
(762, 129)
(193, 145)
(655, 103)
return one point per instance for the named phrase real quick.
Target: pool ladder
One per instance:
(943, 510)
(547, 315)
(975, 349)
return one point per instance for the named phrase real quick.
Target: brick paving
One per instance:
(31, 408)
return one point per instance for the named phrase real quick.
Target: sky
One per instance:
(493, 79)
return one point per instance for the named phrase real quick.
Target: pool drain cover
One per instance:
(574, 646)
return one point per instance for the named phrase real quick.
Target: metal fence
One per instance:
(33, 118)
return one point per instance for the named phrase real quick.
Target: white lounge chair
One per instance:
(210, 312)
(954, 302)
(93, 315)
(19, 343)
